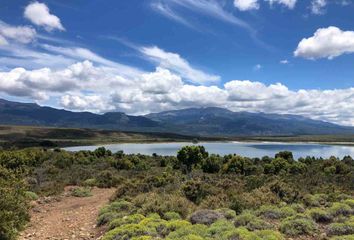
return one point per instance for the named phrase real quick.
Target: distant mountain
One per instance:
(209, 121)
(223, 122)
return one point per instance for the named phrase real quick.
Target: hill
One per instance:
(208, 121)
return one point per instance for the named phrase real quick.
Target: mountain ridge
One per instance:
(206, 121)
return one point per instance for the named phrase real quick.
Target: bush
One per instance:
(211, 164)
(194, 191)
(31, 196)
(197, 231)
(81, 192)
(347, 237)
(106, 179)
(251, 222)
(127, 232)
(340, 209)
(171, 216)
(297, 226)
(205, 217)
(135, 218)
(229, 214)
(162, 203)
(316, 200)
(273, 212)
(219, 227)
(90, 182)
(240, 234)
(13, 205)
(345, 228)
(269, 235)
(320, 215)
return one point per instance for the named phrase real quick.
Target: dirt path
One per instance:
(67, 218)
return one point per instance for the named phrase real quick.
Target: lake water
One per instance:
(248, 149)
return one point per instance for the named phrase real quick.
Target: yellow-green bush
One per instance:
(295, 226)
(274, 212)
(345, 228)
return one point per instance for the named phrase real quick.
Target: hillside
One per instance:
(209, 121)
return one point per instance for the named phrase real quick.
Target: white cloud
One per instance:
(328, 43)
(92, 103)
(254, 91)
(177, 64)
(21, 34)
(284, 61)
(3, 41)
(84, 86)
(245, 5)
(211, 8)
(317, 6)
(38, 14)
(288, 3)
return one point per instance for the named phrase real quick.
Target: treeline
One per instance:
(167, 185)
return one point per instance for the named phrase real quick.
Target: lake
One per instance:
(248, 149)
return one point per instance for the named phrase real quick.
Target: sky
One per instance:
(142, 56)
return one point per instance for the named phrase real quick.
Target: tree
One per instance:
(191, 155)
(285, 155)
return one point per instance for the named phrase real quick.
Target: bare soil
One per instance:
(67, 217)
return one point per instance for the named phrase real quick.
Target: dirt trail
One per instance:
(67, 218)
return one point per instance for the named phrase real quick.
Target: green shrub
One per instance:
(347, 237)
(251, 222)
(297, 226)
(81, 192)
(240, 234)
(107, 179)
(273, 212)
(91, 182)
(171, 216)
(211, 164)
(349, 202)
(31, 196)
(316, 200)
(345, 228)
(13, 205)
(135, 218)
(219, 227)
(174, 225)
(162, 203)
(229, 214)
(320, 215)
(197, 230)
(269, 235)
(127, 232)
(340, 209)
(194, 191)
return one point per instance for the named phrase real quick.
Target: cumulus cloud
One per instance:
(287, 3)
(177, 64)
(254, 91)
(84, 86)
(245, 5)
(328, 43)
(92, 103)
(21, 34)
(39, 14)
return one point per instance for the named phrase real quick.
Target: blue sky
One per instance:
(141, 56)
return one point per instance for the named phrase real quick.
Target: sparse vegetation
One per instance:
(193, 196)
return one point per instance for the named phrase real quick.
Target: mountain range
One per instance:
(209, 121)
